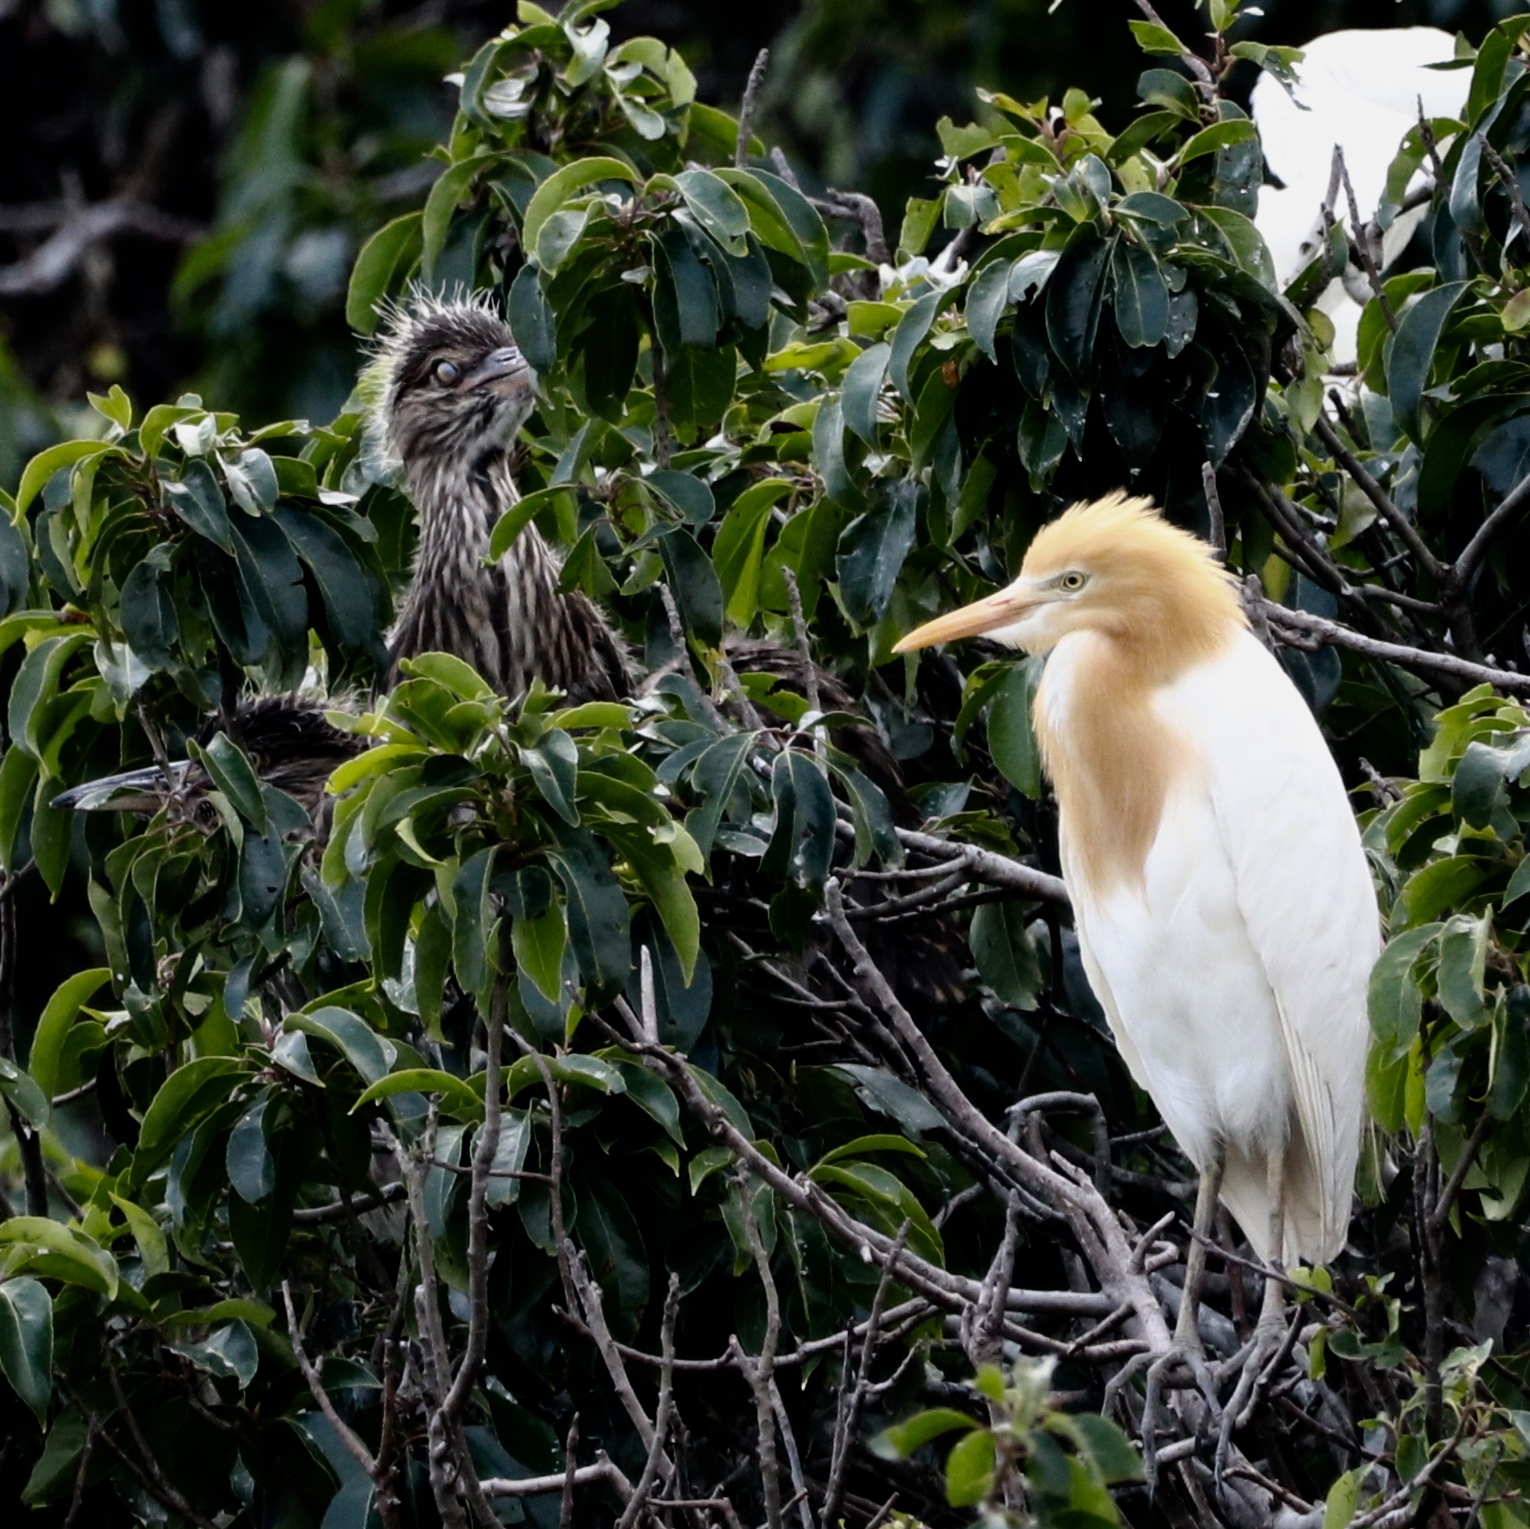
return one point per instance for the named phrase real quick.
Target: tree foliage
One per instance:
(386, 1161)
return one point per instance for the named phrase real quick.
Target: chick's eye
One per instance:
(446, 373)
(1072, 582)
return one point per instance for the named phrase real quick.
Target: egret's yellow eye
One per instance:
(1071, 583)
(446, 373)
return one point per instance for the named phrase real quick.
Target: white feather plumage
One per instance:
(1234, 977)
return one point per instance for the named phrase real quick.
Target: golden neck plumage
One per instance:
(1111, 757)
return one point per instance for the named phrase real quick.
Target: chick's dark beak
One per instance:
(505, 370)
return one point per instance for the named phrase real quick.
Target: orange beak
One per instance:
(970, 621)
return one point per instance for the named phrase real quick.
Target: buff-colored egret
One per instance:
(1224, 908)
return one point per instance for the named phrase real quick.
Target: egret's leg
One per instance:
(1187, 1348)
(1268, 1343)
(1187, 1329)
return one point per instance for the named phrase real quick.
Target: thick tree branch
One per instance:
(1289, 624)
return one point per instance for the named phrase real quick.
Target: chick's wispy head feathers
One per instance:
(449, 382)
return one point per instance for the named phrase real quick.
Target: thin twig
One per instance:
(804, 643)
(1440, 1214)
(1465, 565)
(645, 1485)
(144, 1463)
(1218, 521)
(1510, 184)
(759, 1370)
(347, 1435)
(1379, 497)
(1361, 235)
(374, 1198)
(846, 1420)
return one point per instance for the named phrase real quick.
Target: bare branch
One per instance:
(856, 207)
(338, 1210)
(1475, 550)
(759, 1371)
(347, 1435)
(1287, 623)
(804, 643)
(1363, 235)
(1379, 497)
(603, 1471)
(51, 264)
(455, 1402)
(986, 866)
(1440, 1212)
(1510, 183)
(1214, 511)
(650, 1474)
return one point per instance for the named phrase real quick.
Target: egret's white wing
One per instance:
(1361, 90)
(1304, 891)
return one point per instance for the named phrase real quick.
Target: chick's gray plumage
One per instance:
(456, 391)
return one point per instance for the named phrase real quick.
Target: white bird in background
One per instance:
(1223, 903)
(1361, 91)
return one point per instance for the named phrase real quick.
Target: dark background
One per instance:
(259, 144)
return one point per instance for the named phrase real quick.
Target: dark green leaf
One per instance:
(694, 581)
(738, 552)
(532, 321)
(1006, 958)
(1394, 1000)
(1412, 353)
(198, 501)
(907, 337)
(717, 207)
(685, 296)
(441, 206)
(372, 274)
(861, 388)
(596, 910)
(235, 777)
(1011, 737)
(559, 187)
(26, 1342)
(686, 492)
(1141, 296)
(251, 1168)
(986, 300)
(361, 1046)
(1073, 301)
(871, 552)
(189, 1093)
(147, 612)
(554, 763)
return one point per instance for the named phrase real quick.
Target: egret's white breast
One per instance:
(1255, 827)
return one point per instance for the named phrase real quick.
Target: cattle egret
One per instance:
(1361, 91)
(1224, 907)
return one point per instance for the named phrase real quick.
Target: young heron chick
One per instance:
(455, 390)
(1224, 908)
